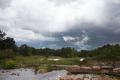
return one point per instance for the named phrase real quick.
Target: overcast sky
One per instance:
(82, 24)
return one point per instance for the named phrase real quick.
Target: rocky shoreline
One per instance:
(93, 69)
(88, 77)
(91, 73)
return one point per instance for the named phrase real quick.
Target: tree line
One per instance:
(9, 49)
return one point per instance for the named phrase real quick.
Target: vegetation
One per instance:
(68, 56)
(9, 64)
(38, 60)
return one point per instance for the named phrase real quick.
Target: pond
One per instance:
(29, 74)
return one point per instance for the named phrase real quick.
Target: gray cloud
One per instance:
(4, 3)
(81, 24)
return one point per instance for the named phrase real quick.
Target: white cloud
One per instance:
(68, 38)
(82, 42)
(38, 19)
(26, 35)
(47, 16)
(79, 41)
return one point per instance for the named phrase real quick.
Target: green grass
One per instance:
(38, 60)
(43, 64)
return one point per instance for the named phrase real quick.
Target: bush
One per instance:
(9, 64)
(25, 50)
(1, 55)
(7, 54)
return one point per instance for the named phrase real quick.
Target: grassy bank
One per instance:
(42, 63)
(40, 60)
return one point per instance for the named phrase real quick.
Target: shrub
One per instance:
(7, 54)
(1, 55)
(9, 64)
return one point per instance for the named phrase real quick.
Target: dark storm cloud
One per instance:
(101, 36)
(98, 35)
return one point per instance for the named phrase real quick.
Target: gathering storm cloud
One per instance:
(82, 24)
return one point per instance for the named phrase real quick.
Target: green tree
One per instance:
(7, 54)
(7, 42)
(67, 52)
(25, 50)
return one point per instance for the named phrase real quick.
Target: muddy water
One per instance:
(28, 74)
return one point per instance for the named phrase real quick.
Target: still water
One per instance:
(29, 74)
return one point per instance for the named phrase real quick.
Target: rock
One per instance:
(117, 70)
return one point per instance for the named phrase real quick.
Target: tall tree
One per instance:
(2, 35)
(6, 42)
